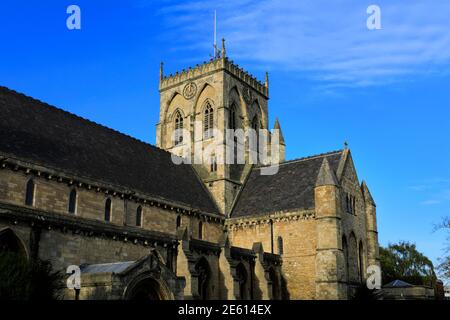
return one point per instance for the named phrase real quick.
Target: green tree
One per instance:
(21, 279)
(444, 263)
(402, 261)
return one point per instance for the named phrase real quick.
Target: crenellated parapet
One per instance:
(214, 65)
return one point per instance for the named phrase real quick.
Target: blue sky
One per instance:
(332, 80)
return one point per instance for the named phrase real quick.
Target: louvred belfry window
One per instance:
(232, 117)
(178, 129)
(208, 121)
(255, 126)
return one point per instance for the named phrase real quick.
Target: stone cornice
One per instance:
(202, 246)
(17, 215)
(246, 222)
(238, 253)
(209, 67)
(272, 259)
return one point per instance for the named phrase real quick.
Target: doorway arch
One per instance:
(147, 287)
(11, 243)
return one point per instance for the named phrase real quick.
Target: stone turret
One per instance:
(282, 156)
(371, 226)
(330, 263)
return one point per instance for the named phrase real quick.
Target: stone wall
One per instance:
(53, 196)
(72, 247)
(298, 237)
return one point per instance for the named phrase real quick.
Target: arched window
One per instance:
(139, 216)
(11, 243)
(345, 250)
(29, 195)
(361, 261)
(178, 222)
(353, 268)
(73, 201)
(213, 165)
(178, 128)
(208, 121)
(232, 117)
(280, 245)
(200, 230)
(255, 126)
(108, 205)
(350, 202)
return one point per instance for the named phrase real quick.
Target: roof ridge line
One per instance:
(48, 105)
(305, 158)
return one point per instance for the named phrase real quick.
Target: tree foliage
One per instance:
(444, 263)
(27, 280)
(402, 261)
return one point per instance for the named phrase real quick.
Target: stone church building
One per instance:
(140, 226)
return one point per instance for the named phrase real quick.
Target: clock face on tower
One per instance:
(190, 90)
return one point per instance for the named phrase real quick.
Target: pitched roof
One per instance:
(291, 188)
(36, 132)
(366, 193)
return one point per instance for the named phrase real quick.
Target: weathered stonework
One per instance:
(318, 247)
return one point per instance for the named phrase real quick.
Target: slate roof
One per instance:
(291, 188)
(36, 132)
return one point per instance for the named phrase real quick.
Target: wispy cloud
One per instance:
(437, 192)
(430, 202)
(325, 40)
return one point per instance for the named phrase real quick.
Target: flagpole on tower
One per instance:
(215, 34)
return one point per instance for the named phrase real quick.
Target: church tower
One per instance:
(216, 94)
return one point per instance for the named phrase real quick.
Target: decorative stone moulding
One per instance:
(213, 65)
(189, 90)
(245, 223)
